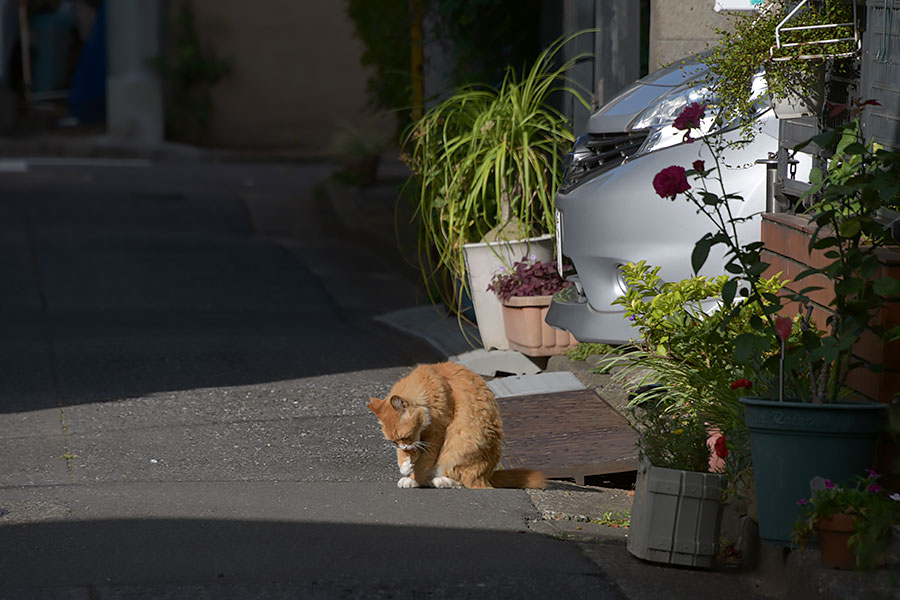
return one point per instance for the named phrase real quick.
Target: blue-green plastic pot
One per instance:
(792, 442)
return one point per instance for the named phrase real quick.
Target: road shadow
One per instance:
(256, 559)
(124, 282)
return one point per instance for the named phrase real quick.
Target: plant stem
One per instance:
(781, 374)
(417, 59)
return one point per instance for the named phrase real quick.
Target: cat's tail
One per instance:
(518, 478)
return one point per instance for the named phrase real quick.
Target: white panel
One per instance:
(543, 383)
(737, 4)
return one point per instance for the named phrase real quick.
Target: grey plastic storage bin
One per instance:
(675, 517)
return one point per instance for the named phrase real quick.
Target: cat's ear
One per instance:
(398, 403)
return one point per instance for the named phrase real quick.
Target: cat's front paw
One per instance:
(445, 482)
(407, 482)
(406, 468)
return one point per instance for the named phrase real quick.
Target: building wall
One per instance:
(296, 74)
(679, 28)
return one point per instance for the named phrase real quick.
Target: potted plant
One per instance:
(486, 163)
(851, 523)
(525, 292)
(786, 43)
(684, 360)
(804, 421)
(677, 511)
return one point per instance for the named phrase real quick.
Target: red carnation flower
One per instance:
(741, 383)
(690, 117)
(671, 181)
(720, 447)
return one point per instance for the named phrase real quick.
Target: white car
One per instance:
(608, 213)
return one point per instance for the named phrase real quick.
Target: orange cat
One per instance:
(446, 426)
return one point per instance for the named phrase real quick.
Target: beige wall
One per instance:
(679, 28)
(296, 73)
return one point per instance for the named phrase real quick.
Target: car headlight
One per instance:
(659, 117)
(668, 107)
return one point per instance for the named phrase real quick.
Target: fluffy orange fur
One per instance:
(445, 423)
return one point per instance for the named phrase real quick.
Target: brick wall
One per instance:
(786, 238)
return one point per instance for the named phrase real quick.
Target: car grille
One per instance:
(598, 152)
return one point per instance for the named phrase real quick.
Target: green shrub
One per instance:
(584, 350)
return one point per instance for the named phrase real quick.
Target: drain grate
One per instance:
(567, 435)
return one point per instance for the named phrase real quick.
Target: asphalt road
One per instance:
(182, 403)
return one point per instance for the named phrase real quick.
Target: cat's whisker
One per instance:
(426, 448)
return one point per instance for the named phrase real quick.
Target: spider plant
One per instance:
(486, 164)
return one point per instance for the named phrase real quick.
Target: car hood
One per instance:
(616, 115)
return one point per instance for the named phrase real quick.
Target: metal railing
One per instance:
(780, 28)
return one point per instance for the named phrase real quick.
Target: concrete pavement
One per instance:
(168, 539)
(182, 412)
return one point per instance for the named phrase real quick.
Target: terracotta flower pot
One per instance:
(834, 541)
(528, 332)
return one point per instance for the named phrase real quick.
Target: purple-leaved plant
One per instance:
(528, 277)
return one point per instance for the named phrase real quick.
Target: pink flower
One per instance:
(699, 166)
(829, 484)
(872, 473)
(671, 181)
(783, 328)
(802, 501)
(690, 117)
(874, 488)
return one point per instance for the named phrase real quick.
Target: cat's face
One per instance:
(401, 423)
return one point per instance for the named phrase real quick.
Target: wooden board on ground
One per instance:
(570, 434)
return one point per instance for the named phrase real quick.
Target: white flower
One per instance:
(895, 497)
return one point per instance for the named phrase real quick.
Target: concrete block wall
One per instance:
(680, 28)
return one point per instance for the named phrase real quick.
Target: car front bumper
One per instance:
(571, 311)
(617, 218)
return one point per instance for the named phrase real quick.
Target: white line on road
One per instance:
(18, 165)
